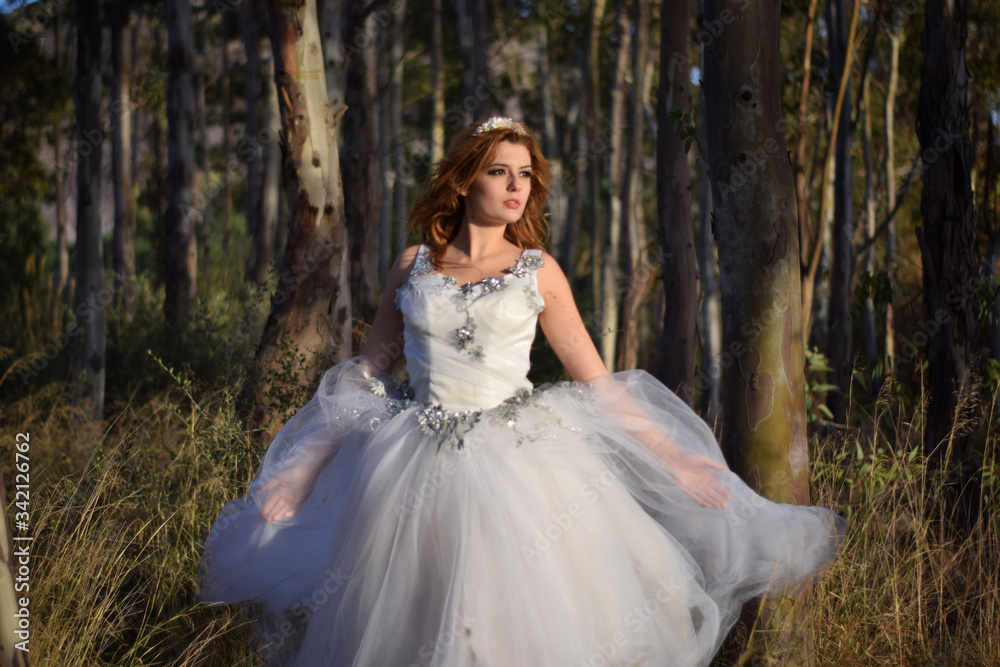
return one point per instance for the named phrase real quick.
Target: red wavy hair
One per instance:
(438, 213)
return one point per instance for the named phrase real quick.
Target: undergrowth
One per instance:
(120, 511)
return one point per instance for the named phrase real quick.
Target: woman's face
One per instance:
(500, 192)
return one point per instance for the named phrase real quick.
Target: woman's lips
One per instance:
(512, 203)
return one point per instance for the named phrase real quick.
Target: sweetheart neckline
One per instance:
(452, 280)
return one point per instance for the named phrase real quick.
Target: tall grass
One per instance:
(120, 510)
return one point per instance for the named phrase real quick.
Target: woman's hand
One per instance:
(290, 490)
(692, 473)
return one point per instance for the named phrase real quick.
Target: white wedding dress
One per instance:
(470, 520)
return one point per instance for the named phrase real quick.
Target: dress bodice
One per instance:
(467, 346)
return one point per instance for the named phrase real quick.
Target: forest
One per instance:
(785, 211)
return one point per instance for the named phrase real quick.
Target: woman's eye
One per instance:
(495, 172)
(526, 174)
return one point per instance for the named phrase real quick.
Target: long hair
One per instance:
(438, 213)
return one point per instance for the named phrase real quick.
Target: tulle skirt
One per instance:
(536, 534)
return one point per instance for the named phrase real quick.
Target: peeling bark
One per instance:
(313, 261)
(755, 229)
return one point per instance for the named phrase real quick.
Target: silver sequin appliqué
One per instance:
(447, 427)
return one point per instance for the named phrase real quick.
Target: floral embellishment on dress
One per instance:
(466, 336)
(527, 263)
(501, 123)
(446, 427)
(421, 267)
(506, 413)
(466, 294)
(535, 300)
(489, 285)
(449, 428)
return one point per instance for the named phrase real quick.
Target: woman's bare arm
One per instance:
(384, 344)
(564, 329)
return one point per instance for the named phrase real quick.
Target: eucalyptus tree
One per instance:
(300, 329)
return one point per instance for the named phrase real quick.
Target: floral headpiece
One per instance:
(501, 123)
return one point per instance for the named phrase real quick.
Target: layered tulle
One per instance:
(539, 532)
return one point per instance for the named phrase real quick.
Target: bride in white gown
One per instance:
(465, 518)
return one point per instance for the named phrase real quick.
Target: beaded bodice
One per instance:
(467, 346)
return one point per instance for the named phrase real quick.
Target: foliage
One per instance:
(32, 97)
(816, 386)
(684, 127)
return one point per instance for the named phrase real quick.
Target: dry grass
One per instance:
(118, 535)
(119, 512)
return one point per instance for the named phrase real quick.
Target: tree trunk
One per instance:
(181, 215)
(895, 40)
(299, 326)
(250, 147)
(679, 264)
(386, 162)
(158, 171)
(756, 231)
(137, 65)
(869, 324)
(574, 211)
(271, 197)
(362, 180)
(843, 218)
(121, 150)
(711, 335)
(437, 83)
(611, 251)
(89, 293)
(799, 168)
(472, 49)
(590, 153)
(336, 52)
(62, 246)
(946, 235)
(401, 210)
(553, 148)
(201, 201)
(638, 274)
(809, 276)
(990, 224)
(227, 106)
(339, 46)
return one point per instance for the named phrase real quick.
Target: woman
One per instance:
(466, 519)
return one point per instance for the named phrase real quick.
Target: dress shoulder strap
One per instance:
(529, 262)
(421, 263)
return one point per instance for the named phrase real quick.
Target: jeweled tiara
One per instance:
(501, 123)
